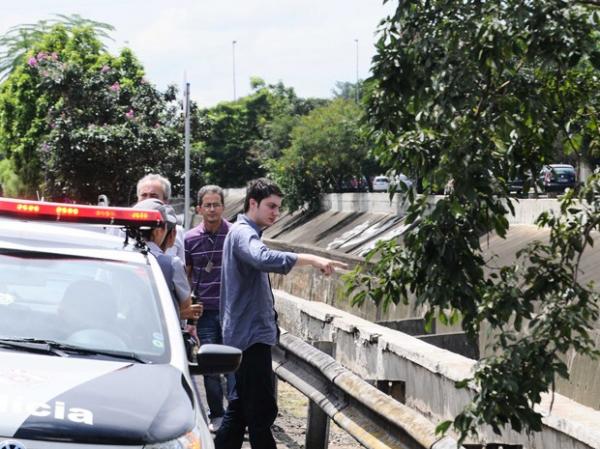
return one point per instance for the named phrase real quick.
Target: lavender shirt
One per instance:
(247, 313)
(202, 250)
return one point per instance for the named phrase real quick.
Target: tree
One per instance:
(237, 137)
(328, 147)
(347, 90)
(18, 41)
(479, 93)
(76, 118)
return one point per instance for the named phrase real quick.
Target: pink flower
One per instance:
(32, 61)
(42, 55)
(105, 69)
(129, 114)
(54, 56)
(115, 87)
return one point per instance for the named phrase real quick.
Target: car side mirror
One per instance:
(215, 359)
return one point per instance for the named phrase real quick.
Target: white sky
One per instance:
(307, 44)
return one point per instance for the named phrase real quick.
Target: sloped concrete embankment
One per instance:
(350, 224)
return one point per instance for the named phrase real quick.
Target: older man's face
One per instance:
(151, 189)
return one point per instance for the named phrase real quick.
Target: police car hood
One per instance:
(92, 401)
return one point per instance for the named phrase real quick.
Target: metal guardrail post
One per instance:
(317, 429)
(374, 419)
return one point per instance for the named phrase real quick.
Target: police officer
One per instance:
(159, 240)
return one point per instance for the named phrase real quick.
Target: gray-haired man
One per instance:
(159, 187)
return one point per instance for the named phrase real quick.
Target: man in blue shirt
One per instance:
(248, 317)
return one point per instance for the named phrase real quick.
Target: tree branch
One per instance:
(589, 2)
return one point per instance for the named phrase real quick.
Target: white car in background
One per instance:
(381, 184)
(402, 182)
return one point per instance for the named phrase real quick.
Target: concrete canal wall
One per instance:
(347, 226)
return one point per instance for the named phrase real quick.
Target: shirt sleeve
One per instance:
(178, 248)
(187, 251)
(180, 281)
(251, 249)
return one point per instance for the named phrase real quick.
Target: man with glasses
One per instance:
(203, 256)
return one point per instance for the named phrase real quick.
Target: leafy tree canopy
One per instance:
(479, 93)
(236, 138)
(18, 41)
(328, 147)
(75, 118)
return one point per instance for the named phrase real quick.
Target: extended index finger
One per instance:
(338, 264)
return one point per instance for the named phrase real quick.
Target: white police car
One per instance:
(91, 352)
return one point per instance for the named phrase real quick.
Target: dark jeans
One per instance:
(255, 406)
(209, 331)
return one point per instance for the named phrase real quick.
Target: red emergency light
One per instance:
(79, 213)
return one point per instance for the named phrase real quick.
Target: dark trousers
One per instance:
(255, 406)
(209, 331)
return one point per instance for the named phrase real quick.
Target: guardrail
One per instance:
(373, 418)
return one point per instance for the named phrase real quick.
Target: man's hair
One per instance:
(259, 189)
(204, 190)
(165, 183)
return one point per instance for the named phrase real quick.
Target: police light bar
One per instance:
(79, 213)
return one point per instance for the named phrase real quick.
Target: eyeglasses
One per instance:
(211, 205)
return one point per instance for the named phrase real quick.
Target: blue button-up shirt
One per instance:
(246, 306)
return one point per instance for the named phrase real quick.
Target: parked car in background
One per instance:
(381, 184)
(557, 177)
(402, 182)
(522, 187)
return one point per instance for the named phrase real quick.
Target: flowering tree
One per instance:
(18, 41)
(75, 118)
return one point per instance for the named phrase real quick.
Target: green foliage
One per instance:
(76, 118)
(327, 147)
(348, 91)
(236, 138)
(18, 41)
(479, 93)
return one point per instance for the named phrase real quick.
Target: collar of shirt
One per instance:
(222, 228)
(244, 219)
(154, 248)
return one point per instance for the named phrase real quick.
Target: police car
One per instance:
(91, 350)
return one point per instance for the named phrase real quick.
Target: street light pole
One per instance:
(356, 89)
(233, 58)
(186, 207)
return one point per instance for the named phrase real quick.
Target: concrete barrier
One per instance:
(374, 352)
(373, 418)
(526, 209)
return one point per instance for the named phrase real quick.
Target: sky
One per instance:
(306, 44)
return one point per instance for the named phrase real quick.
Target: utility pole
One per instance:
(186, 212)
(233, 58)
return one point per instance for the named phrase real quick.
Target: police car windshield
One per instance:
(97, 304)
